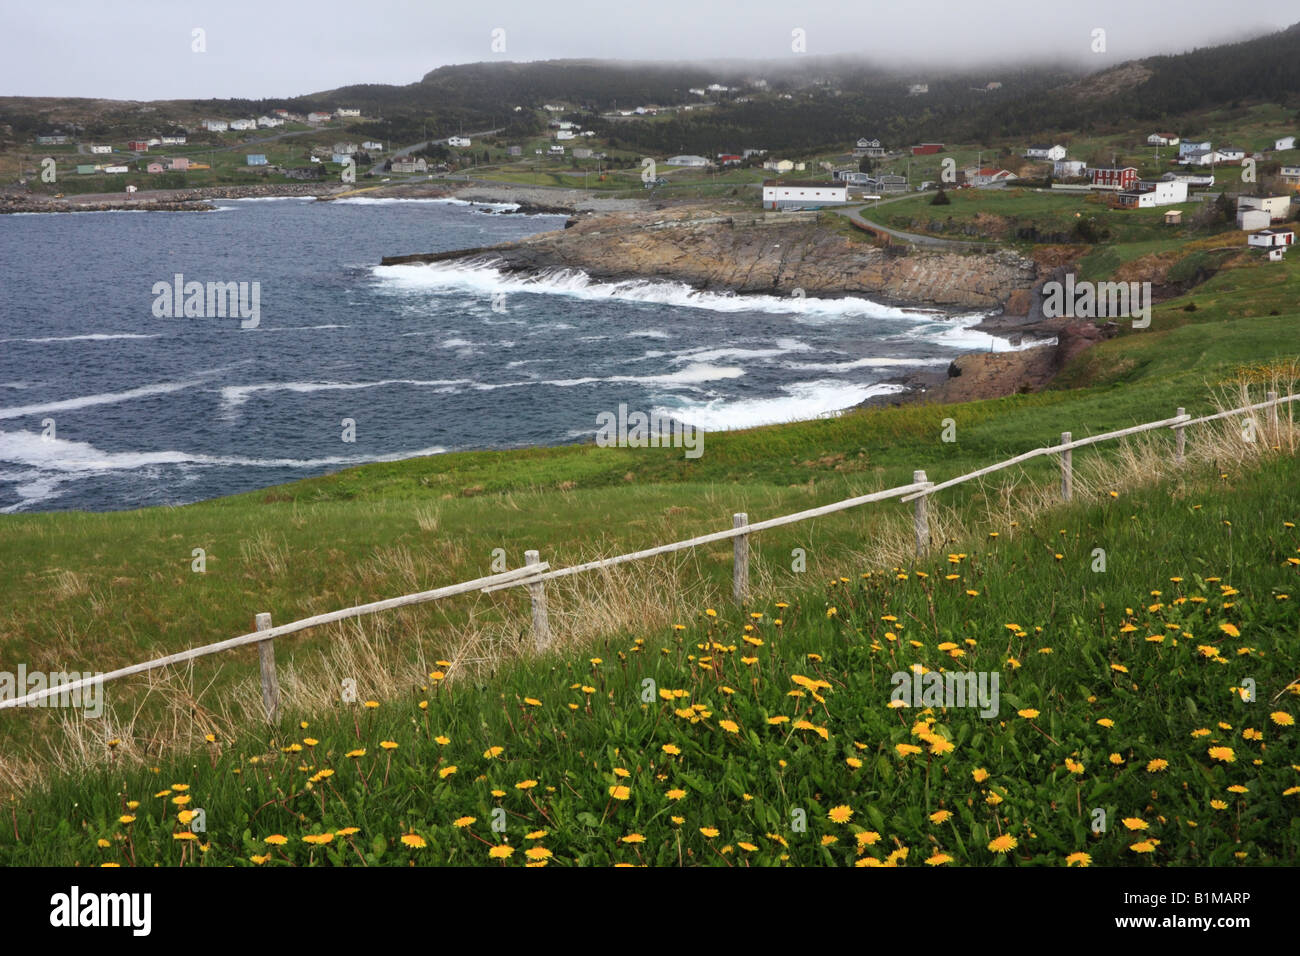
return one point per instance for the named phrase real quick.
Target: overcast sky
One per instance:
(143, 49)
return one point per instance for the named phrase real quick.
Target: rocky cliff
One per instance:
(774, 253)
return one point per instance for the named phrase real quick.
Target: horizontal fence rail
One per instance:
(535, 572)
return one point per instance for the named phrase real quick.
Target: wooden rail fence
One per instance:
(535, 573)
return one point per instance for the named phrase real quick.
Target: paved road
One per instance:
(854, 213)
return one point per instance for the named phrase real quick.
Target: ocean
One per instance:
(107, 401)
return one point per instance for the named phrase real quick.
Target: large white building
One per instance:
(791, 194)
(686, 161)
(1277, 207)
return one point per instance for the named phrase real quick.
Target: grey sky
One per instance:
(141, 49)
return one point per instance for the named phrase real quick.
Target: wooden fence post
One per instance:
(266, 657)
(1067, 469)
(922, 515)
(1180, 438)
(1272, 415)
(537, 594)
(740, 563)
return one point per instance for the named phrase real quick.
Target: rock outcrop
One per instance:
(773, 253)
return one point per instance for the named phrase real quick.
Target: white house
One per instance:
(561, 134)
(174, 140)
(1286, 142)
(556, 150)
(347, 111)
(1277, 207)
(1162, 139)
(1269, 238)
(371, 144)
(918, 89)
(317, 117)
(115, 169)
(101, 149)
(1043, 151)
(410, 165)
(458, 141)
(1291, 175)
(268, 122)
(243, 124)
(1069, 168)
(1198, 157)
(1185, 147)
(1162, 193)
(686, 161)
(868, 147)
(216, 126)
(1229, 154)
(779, 165)
(782, 194)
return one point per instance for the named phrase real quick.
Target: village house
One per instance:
(782, 194)
(869, 147)
(347, 112)
(730, 159)
(887, 183)
(686, 161)
(1277, 207)
(927, 149)
(1269, 238)
(138, 146)
(318, 117)
(779, 165)
(458, 141)
(1198, 157)
(1162, 139)
(1044, 151)
(1229, 154)
(1286, 142)
(53, 139)
(1290, 176)
(561, 134)
(986, 175)
(374, 145)
(269, 122)
(410, 165)
(1116, 178)
(154, 168)
(101, 149)
(1185, 147)
(1161, 193)
(514, 150)
(347, 149)
(179, 163)
(174, 140)
(216, 126)
(918, 89)
(1069, 168)
(116, 169)
(242, 124)
(556, 150)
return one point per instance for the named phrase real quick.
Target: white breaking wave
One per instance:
(711, 355)
(854, 364)
(104, 398)
(233, 396)
(958, 334)
(487, 278)
(92, 337)
(802, 401)
(440, 201)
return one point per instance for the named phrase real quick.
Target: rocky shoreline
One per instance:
(158, 200)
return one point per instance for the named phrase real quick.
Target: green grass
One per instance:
(766, 737)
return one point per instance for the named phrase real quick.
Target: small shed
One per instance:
(1174, 217)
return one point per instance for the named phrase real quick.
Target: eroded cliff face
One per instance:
(772, 253)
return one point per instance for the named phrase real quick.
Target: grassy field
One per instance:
(1118, 733)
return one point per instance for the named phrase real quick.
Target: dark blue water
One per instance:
(103, 405)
